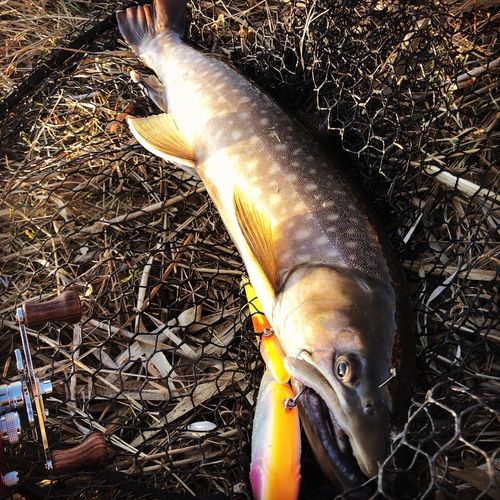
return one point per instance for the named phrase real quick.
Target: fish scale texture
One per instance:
(409, 91)
(315, 216)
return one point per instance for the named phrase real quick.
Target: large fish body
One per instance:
(312, 251)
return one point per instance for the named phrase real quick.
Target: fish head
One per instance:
(337, 327)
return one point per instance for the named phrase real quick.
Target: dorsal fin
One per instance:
(255, 224)
(160, 135)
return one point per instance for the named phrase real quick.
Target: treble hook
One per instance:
(393, 374)
(300, 352)
(291, 403)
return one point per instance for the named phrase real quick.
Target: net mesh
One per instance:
(410, 92)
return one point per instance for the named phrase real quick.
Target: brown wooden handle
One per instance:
(90, 453)
(66, 308)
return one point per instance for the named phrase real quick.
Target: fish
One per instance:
(316, 254)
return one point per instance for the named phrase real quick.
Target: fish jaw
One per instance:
(350, 432)
(342, 323)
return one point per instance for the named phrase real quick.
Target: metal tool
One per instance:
(26, 395)
(66, 307)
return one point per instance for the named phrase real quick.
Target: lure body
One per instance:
(275, 467)
(315, 254)
(270, 348)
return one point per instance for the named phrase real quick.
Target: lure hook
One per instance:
(300, 352)
(291, 403)
(393, 374)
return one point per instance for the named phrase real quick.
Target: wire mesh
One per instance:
(410, 92)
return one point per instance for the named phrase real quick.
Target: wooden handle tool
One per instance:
(66, 308)
(92, 452)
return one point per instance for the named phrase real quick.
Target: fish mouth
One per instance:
(345, 441)
(331, 445)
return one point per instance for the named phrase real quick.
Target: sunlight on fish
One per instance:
(318, 259)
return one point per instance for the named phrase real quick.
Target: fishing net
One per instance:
(410, 93)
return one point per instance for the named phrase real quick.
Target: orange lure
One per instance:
(270, 347)
(275, 467)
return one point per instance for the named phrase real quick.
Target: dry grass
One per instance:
(31, 30)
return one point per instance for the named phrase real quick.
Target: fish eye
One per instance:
(343, 369)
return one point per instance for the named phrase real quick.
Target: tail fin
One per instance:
(140, 24)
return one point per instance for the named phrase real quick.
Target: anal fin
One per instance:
(160, 135)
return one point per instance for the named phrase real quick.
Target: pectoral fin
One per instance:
(160, 135)
(255, 224)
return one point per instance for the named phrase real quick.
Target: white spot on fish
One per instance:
(297, 151)
(280, 147)
(328, 204)
(264, 121)
(311, 187)
(312, 170)
(291, 177)
(274, 199)
(236, 134)
(295, 164)
(332, 217)
(322, 240)
(302, 234)
(351, 244)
